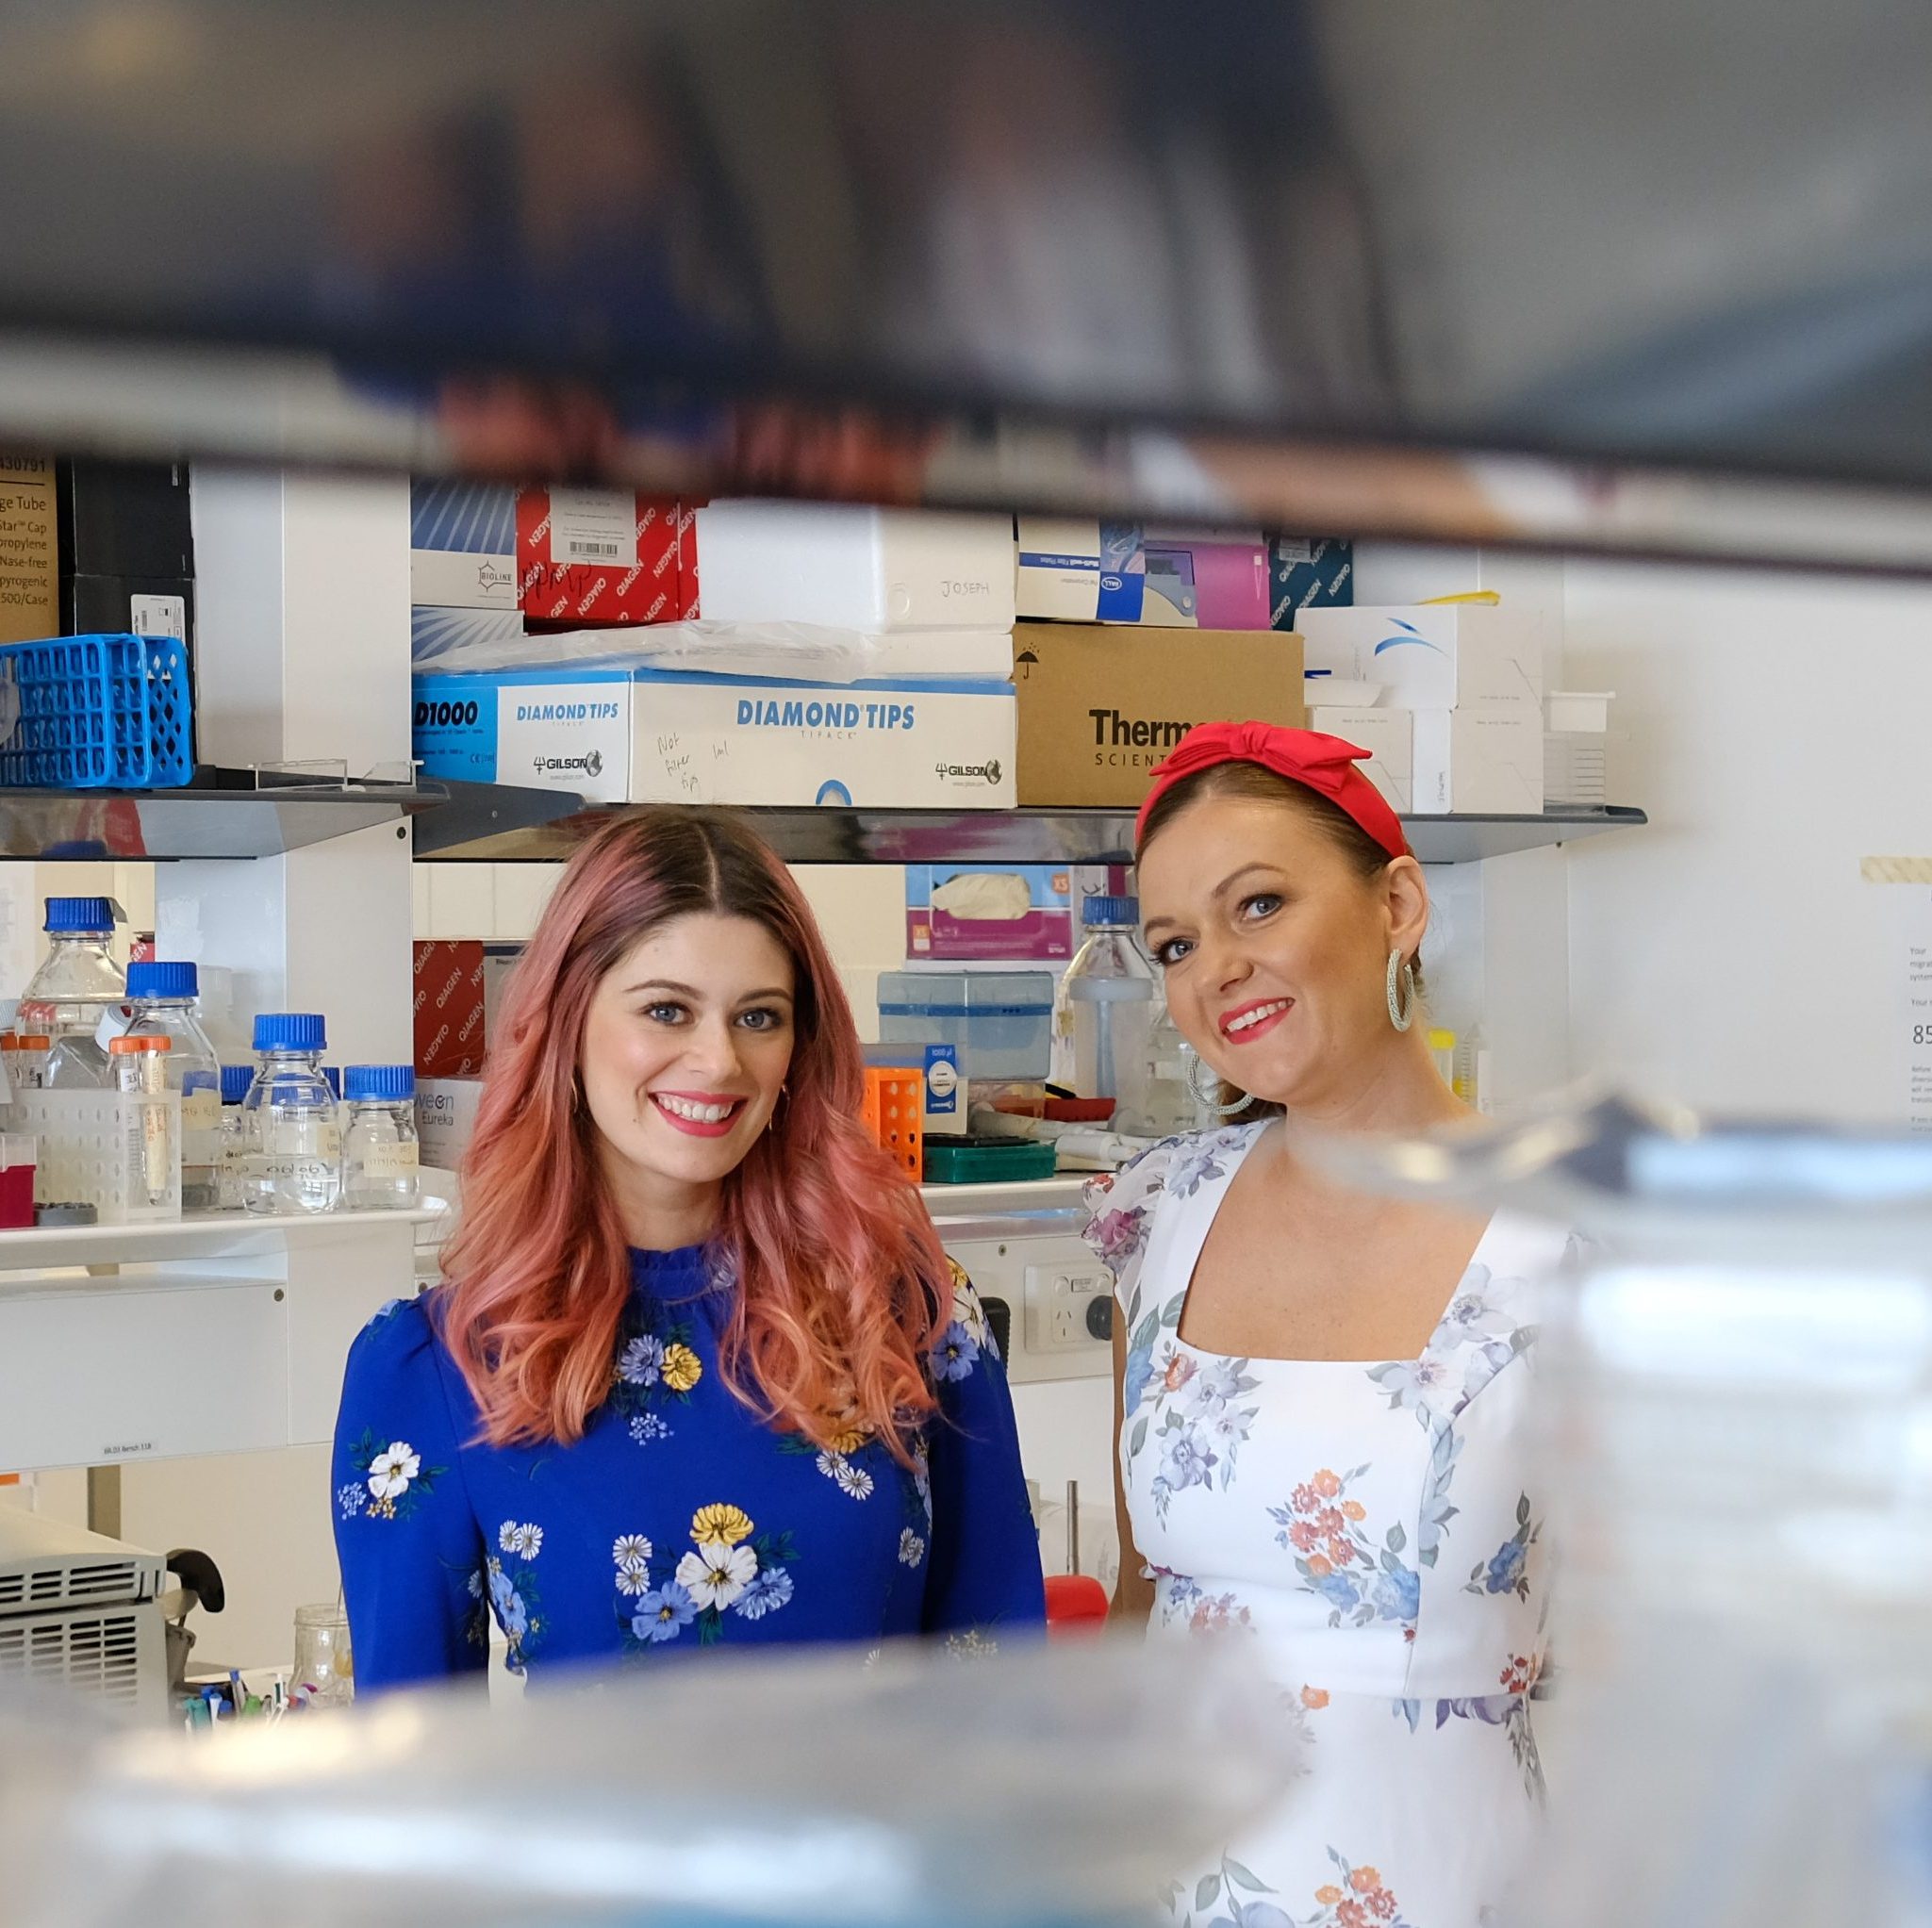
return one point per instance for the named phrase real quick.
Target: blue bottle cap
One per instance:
(236, 1078)
(1110, 910)
(163, 980)
(388, 1084)
(291, 1030)
(73, 917)
(332, 1077)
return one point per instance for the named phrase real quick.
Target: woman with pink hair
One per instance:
(699, 1371)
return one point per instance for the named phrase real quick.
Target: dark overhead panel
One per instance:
(1653, 277)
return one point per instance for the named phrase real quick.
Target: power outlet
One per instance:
(1058, 1301)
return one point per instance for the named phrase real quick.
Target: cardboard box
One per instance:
(451, 1031)
(462, 545)
(446, 1111)
(649, 737)
(123, 518)
(125, 605)
(1433, 656)
(435, 631)
(859, 569)
(29, 555)
(1100, 706)
(1158, 575)
(1483, 760)
(688, 610)
(1308, 572)
(1389, 735)
(597, 557)
(1004, 912)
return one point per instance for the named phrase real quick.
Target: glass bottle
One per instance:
(1110, 998)
(150, 1150)
(77, 985)
(164, 1002)
(292, 1162)
(379, 1149)
(1170, 1106)
(236, 1081)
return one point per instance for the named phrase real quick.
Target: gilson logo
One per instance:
(590, 764)
(988, 772)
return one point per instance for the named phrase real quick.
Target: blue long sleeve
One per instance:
(984, 1564)
(416, 1573)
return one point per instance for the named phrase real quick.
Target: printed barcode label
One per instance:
(592, 525)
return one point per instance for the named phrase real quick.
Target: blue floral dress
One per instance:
(679, 1520)
(1374, 1530)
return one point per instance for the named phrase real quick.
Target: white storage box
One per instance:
(1432, 656)
(446, 1118)
(1389, 735)
(1575, 748)
(1482, 761)
(463, 545)
(643, 737)
(857, 568)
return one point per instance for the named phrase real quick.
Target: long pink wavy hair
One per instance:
(842, 1286)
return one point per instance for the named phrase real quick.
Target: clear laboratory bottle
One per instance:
(77, 985)
(379, 1149)
(1170, 1104)
(164, 1001)
(1443, 1048)
(150, 1152)
(292, 1162)
(1109, 1000)
(236, 1081)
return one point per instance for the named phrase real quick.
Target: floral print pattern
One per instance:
(656, 1371)
(720, 1529)
(1324, 1528)
(394, 1480)
(1507, 1570)
(1368, 1491)
(730, 1566)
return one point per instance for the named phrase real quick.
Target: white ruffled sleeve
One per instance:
(1120, 1208)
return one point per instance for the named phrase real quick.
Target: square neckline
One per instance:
(1222, 1185)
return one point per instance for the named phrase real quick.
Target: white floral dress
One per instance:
(1377, 1530)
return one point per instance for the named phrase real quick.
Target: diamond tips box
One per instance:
(621, 735)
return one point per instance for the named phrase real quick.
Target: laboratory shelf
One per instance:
(223, 813)
(198, 1236)
(481, 824)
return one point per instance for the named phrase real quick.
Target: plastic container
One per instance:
(895, 1114)
(987, 1160)
(1443, 1047)
(99, 711)
(1110, 998)
(164, 1002)
(1000, 1023)
(16, 1181)
(291, 1162)
(1167, 1104)
(380, 1157)
(77, 986)
(236, 1134)
(150, 1150)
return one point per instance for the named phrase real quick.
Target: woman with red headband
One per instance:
(1321, 1393)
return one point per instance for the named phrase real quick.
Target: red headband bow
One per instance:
(1325, 765)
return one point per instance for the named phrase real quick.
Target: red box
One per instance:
(596, 556)
(687, 561)
(449, 1038)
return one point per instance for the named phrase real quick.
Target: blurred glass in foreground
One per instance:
(1042, 1789)
(1738, 1396)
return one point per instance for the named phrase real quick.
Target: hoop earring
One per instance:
(1402, 1011)
(1212, 1101)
